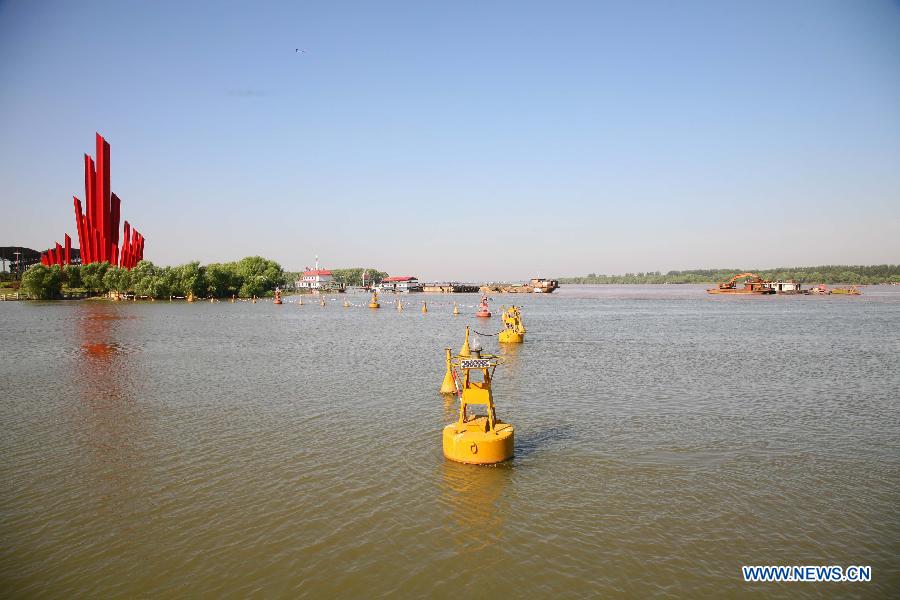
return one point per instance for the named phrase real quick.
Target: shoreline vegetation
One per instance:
(258, 276)
(829, 274)
(251, 276)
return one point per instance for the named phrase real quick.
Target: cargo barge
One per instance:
(753, 285)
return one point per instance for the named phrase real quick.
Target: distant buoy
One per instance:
(424, 308)
(232, 298)
(346, 304)
(513, 329)
(277, 299)
(483, 310)
(322, 302)
(455, 308)
(373, 302)
(399, 305)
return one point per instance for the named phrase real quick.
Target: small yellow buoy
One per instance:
(424, 308)
(477, 439)
(232, 298)
(346, 304)
(322, 302)
(465, 351)
(448, 386)
(513, 330)
(301, 302)
(254, 298)
(455, 308)
(399, 305)
(190, 297)
(373, 303)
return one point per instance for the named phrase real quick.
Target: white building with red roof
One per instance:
(401, 284)
(314, 279)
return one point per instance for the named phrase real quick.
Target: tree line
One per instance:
(250, 276)
(830, 274)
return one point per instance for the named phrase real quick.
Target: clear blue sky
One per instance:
(464, 140)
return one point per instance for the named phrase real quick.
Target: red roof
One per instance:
(398, 278)
(318, 272)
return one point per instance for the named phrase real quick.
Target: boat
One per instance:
(754, 285)
(789, 287)
(850, 291)
(544, 286)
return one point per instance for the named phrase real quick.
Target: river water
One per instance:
(664, 438)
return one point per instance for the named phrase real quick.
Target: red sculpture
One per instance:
(98, 225)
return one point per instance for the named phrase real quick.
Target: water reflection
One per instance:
(104, 416)
(473, 495)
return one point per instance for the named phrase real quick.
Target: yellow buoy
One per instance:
(322, 302)
(346, 304)
(455, 308)
(464, 351)
(190, 297)
(373, 303)
(300, 303)
(448, 386)
(232, 298)
(424, 308)
(399, 305)
(513, 330)
(477, 439)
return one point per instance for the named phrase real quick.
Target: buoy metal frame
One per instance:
(476, 439)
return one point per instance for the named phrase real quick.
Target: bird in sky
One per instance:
(299, 51)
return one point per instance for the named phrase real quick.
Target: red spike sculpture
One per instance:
(97, 226)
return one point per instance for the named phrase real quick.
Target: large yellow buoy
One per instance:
(513, 331)
(477, 439)
(373, 303)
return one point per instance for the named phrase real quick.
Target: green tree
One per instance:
(42, 282)
(258, 275)
(92, 276)
(189, 279)
(72, 276)
(117, 279)
(221, 280)
(353, 275)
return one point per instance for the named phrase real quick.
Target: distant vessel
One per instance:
(850, 291)
(785, 287)
(537, 285)
(753, 285)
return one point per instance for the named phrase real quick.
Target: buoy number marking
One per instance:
(474, 363)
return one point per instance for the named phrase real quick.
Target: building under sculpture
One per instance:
(98, 224)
